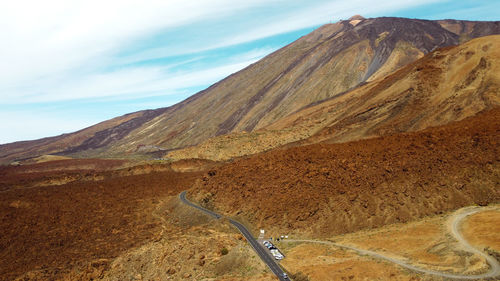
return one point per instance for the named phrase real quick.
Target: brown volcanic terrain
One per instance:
(87, 170)
(52, 229)
(322, 65)
(327, 189)
(447, 85)
(118, 224)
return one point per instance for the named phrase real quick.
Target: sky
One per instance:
(69, 64)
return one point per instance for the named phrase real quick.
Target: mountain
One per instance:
(446, 85)
(327, 63)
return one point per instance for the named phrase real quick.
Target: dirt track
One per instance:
(457, 220)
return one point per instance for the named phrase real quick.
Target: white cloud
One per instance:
(41, 39)
(130, 82)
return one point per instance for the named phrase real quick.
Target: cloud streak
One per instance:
(60, 50)
(129, 82)
(54, 38)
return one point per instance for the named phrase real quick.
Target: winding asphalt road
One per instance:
(457, 220)
(267, 259)
(206, 211)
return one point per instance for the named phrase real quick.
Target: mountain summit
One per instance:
(327, 63)
(357, 17)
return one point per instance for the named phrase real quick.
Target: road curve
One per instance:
(457, 220)
(182, 196)
(246, 233)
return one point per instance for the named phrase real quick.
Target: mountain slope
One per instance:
(324, 64)
(447, 85)
(327, 189)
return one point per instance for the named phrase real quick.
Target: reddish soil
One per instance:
(327, 189)
(74, 164)
(55, 172)
(66, 171)
(53, 229)
(65, 165)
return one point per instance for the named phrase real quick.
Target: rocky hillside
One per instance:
(328, 189)
(446, 85)
(321, 65)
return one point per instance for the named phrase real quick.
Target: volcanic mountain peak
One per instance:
(446, 85)
(354, 20)
(324, 64)
(357, 17)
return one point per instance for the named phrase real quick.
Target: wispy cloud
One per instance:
(324, 12)
(131, 82)
(283, 20)
(60, 50)
(46, 38)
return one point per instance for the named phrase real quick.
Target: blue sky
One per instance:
(66, 65)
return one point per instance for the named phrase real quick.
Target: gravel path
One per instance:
(457, 219)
